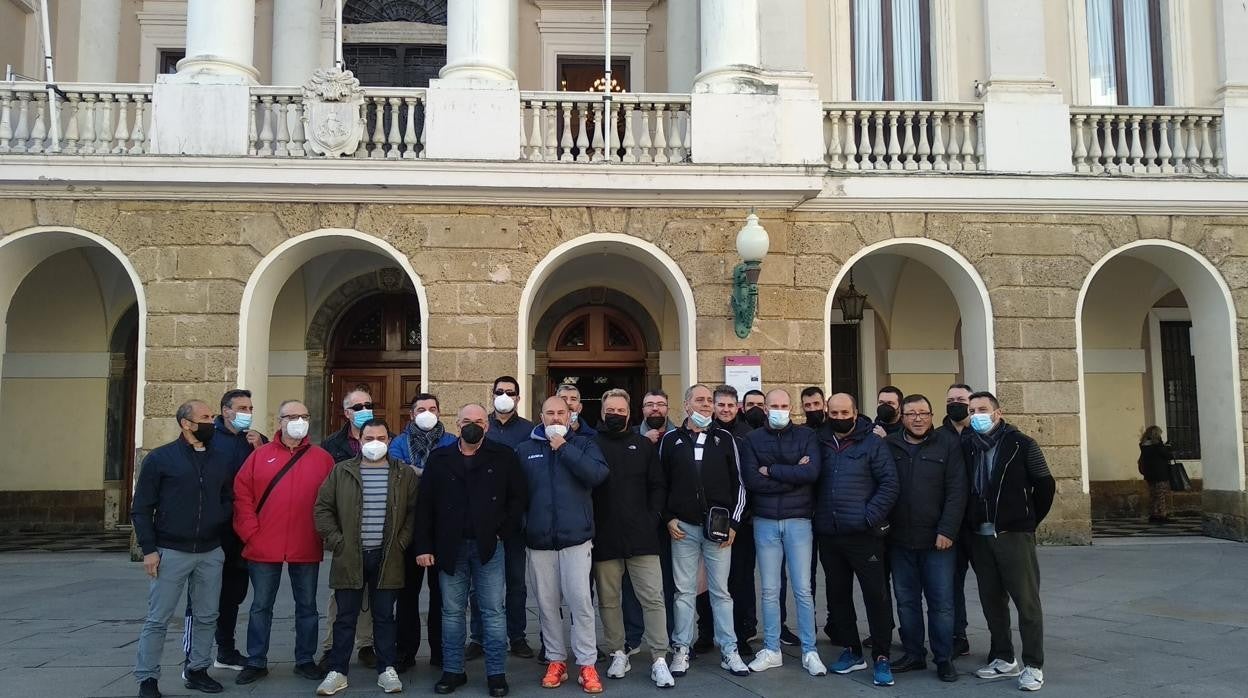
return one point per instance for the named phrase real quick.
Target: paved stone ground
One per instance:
(1150, 617)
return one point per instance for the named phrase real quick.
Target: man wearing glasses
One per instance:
(273, 498)
(357, 409)
(507, 427)
(654, 410)
(925, 524)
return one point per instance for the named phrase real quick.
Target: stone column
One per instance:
(476, 92)
(729, 41)
(1026, 125)
(682, 45)
(99, 38)
(296, 40)
(1233, 77)
(204, 108)
(782, 47)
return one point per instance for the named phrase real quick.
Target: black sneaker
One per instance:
(149, 689)
(744, 648)
(449, 682)
(405, 662)
(945, 671)
(308, 670)
(497, 685)
(908, 663)
(251, 674)
(520, 648)
(368, 656)
(435, 659)
(787, 638)
(961, 646)
(703, 644)
(541, 656)
(230, 659)
(323, 663)
(199, 680)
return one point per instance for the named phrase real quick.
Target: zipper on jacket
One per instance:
(199, 512)
(554, 501)
(996, 509)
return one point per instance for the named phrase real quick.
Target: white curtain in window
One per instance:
(1139, 50)
(868, 51)
(907, 51)
(1101, 51)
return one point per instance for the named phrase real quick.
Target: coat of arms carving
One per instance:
(333, 109)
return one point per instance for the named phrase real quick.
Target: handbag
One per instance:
(1179, 481)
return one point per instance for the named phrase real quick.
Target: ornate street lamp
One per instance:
(852, 301)
(752, 245)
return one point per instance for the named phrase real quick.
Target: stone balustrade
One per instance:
(569, 127)
(393, 120)
(899, 136)
(93, 119)
(1146, 140)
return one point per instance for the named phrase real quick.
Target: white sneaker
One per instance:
(680, 661)
(813, 664)
(660, 675)
(732, 663)
(333, 683)
(619, 665)
(766, 659)
(1032, 679)
(999, 669)
(389, 681)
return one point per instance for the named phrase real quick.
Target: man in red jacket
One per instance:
(273, 498)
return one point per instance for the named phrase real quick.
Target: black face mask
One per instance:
(204, 432)
(957, 411)
(656, 421)
(814, 418)
(842, 426)
(472, 433)
(885, 414)
(615, 422)
(755, 417)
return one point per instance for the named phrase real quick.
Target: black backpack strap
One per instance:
(277, 478)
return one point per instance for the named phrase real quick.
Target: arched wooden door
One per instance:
(376, 346)
(597, 348)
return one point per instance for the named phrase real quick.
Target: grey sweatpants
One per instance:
(202, 572)
(559, 577)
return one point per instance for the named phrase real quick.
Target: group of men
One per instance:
(638, 514)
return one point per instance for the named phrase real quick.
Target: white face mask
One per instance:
(778, 419)
(375, 450)
(504, 403)
(426, 420)
(556, 430)
(297, 428)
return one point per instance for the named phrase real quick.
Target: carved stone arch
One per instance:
(369, 11)
(325, 319)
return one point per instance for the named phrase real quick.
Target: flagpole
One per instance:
(53, 110)
(338, 62)
(606, 87)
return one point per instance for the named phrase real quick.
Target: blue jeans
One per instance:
(686, 554)
(487, 580)
(381, 602)
(786, 542)
(200, 574)
(918, 574)
(517, 592)
(266, 577)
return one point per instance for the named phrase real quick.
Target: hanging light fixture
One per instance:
(752, 246)
(852, 301)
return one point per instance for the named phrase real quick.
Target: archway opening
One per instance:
(1157, 346)
(73, 314)
(927, 323)
(326, 312)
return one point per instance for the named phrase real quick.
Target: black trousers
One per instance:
(407, 613)
(350, 601)
(1007, 570)
(861, 555)
(234, 582)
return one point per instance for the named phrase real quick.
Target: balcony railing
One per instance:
(394, 123)
(1146, 140)
(896, 136)
(93, 119)
(570, 127)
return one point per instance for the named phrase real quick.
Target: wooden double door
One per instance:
(392, 389)
(376, 347)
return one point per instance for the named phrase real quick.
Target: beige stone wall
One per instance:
(195, 258)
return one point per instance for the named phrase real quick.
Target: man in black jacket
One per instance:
(700, 464)
(471, 495)
(925, 524)
(780, 464)
(957, 423)
(183, 502)
(357, 409)
(627, 511)
(1011, 493)
(730, 417)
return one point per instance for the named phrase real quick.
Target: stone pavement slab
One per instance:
(1158, 618)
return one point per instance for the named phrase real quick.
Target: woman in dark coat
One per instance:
(1154, 463)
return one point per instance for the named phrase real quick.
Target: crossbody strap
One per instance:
(277, 478)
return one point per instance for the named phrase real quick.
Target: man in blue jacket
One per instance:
(183, 502)
(855, 493)
(779, 465)
(562, 470)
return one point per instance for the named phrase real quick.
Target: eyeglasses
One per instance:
(653, 405)
(917, 415)
(361, 406)
(508, 393)
(285, 417)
